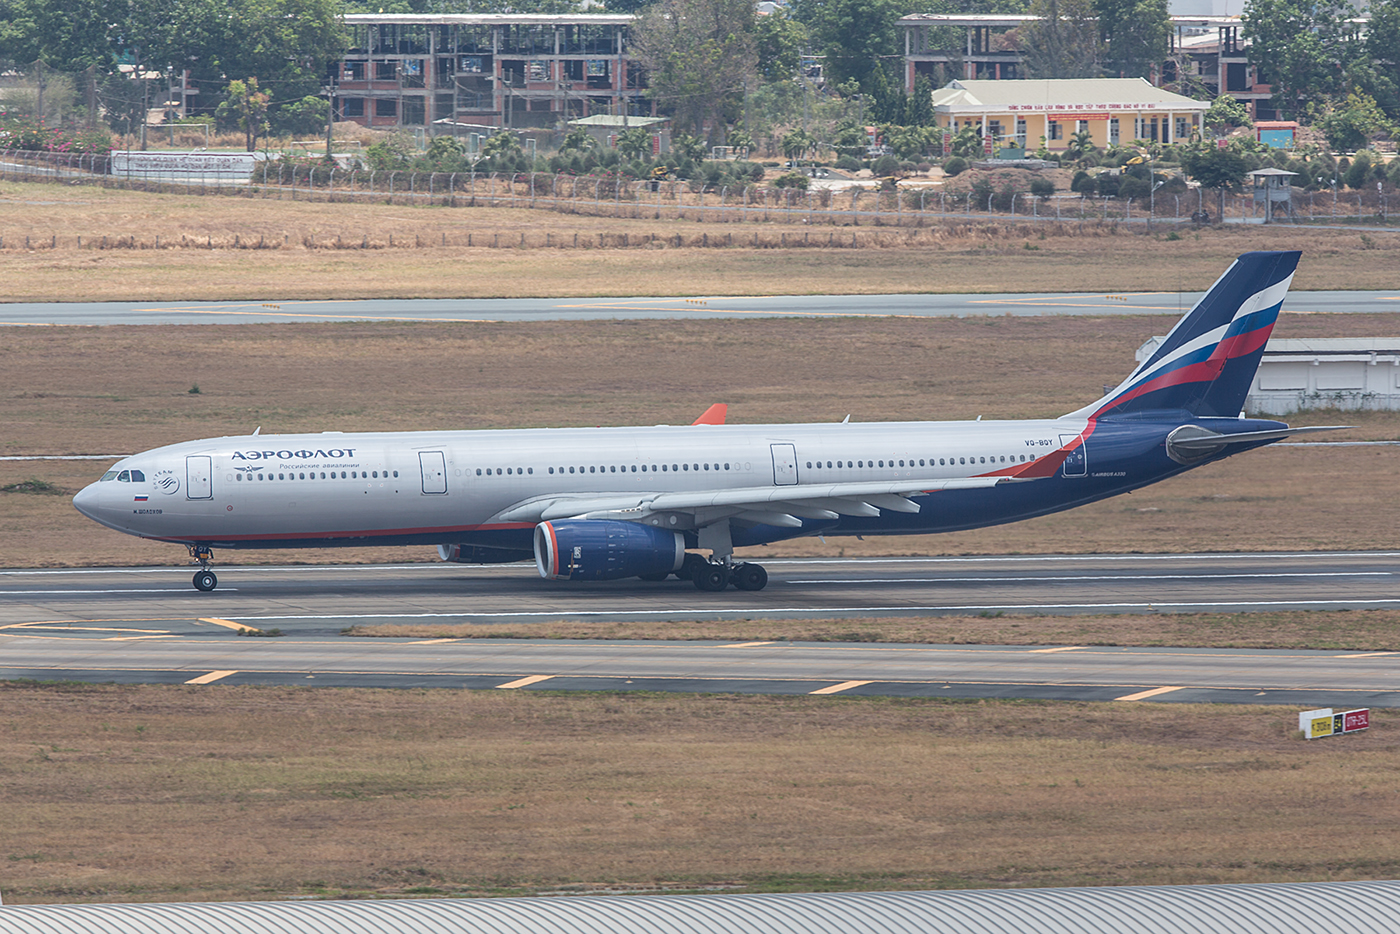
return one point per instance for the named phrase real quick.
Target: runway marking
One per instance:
(432, 642)
(69, 593)
(843, 686)
(744, 645)
(525, 682)
(212, 676)
(67, 625)
(137, 638)
(1100, 577)
(1144, 695)
(828, 610)
(228, 623)
(1062, 648)
(265, 312)
(1368, 655)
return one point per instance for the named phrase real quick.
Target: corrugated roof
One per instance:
(1060, 93)
(1298, 908)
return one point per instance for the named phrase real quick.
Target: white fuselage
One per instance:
(334, 488)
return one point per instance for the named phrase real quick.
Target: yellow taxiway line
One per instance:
(838, 688)
(1144, 695)
(523, 682)
(212, 676)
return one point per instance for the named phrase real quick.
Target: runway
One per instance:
(697, 307)
(149, 626)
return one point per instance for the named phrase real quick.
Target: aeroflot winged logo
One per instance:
(303, 454)
(167, 482)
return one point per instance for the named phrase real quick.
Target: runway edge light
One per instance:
(1316, 724)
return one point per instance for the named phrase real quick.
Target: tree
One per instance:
(1382, 41)
(634, 143)
(1214, 167)
(1226, 113)
(853, 34)
(796, 144)
(248, 106)
(688, 147)
(918, 111)
(700, 56)
(779, 39)
(1136, 35)
(578, 139)
(1304, 48)
(1064, 42)
(1351, 124)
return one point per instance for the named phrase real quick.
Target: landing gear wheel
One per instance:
(659, 576)
(205, 581)
(750, 577)
(712, 577)
(690, 565)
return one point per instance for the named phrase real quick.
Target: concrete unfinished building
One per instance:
(449, 72)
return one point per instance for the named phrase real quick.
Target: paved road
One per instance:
(148, 626)
(582, 309)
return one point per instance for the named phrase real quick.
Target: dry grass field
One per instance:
(122, 389)
(149, 794)
(430, 257)
(159, 793)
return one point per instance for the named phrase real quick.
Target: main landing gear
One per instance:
(715, 576)
(204, 579)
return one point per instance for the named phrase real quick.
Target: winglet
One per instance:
(714, 415)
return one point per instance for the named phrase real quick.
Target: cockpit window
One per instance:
(109, 475)
(138, 477)
(124, 476)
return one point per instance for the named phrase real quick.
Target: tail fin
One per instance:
(1207, 362)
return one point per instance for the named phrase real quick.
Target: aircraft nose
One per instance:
(87, 500)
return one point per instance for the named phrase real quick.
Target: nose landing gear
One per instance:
(204, 579)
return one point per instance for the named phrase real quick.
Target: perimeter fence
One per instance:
(615, 196)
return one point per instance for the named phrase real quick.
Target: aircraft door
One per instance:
(784, 464)
(434, 469)
(199, 475)
(1077, 463)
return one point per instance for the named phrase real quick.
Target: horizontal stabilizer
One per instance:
(1192, 442)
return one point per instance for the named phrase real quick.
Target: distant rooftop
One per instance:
(614, 120)
(1061, 94)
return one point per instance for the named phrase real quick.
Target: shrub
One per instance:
(848, 164)
(886, 165)
(1042, 187)
(1082, 182)
(954, 166)
(792, 180)
(1132, 187)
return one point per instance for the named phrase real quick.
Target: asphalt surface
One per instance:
(150, 626)
(700, 307)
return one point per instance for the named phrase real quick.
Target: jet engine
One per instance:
(603, 550)
(479, 554)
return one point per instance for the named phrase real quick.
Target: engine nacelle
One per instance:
(479, 554)
(604, 550)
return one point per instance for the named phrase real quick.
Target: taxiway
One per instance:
(149, 626)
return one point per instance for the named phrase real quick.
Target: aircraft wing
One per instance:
(772, 505)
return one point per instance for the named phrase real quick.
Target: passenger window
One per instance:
(238, 477)
(531, 469)
(614, 469)
(634, 468)
(303, 476)
(124, 476)
(726, 466)
(281, 477)
(260, 476)
(663, 468)
(675, 467)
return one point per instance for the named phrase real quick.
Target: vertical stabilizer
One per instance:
(1206, 364)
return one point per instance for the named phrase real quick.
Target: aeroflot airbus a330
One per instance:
(609, 503)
